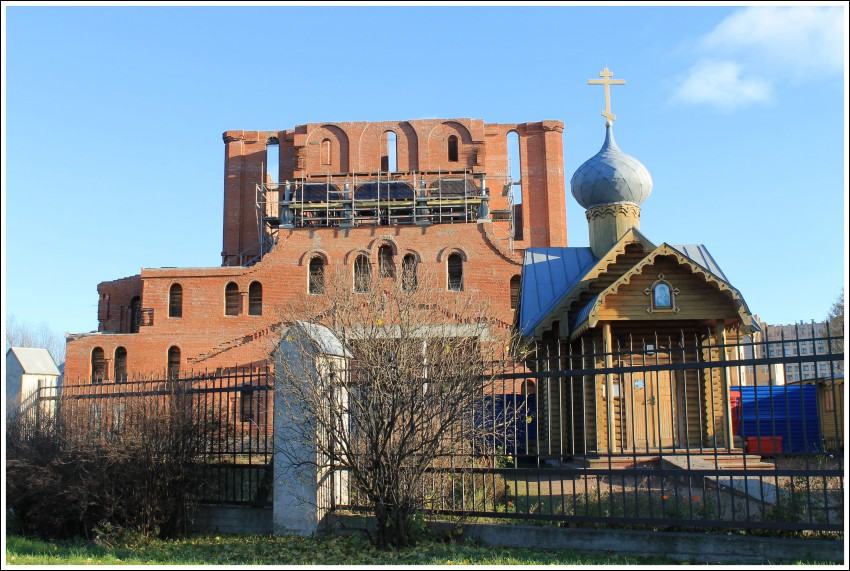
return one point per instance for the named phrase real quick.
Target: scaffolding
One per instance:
(376, 199)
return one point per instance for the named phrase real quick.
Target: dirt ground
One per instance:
(763, 496)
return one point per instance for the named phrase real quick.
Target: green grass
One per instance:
(288, 550)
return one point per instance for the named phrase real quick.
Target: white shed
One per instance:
(26, 369)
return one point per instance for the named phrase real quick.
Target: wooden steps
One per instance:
(698, 461)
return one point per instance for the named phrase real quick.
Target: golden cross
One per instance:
(607, 82)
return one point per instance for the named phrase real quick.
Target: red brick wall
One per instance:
(422, 145)
(209, 339)
(283, 273)
(113, 308)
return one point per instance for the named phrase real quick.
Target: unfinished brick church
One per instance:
(371, 199)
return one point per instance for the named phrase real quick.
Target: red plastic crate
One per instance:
(769, 445)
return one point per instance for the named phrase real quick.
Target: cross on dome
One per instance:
(606, 81)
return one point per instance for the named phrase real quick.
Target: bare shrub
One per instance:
(100, 464)
(398, 394)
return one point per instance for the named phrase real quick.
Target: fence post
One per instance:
(727, 417)
(609, 388)
(37, 403)
(301, 468)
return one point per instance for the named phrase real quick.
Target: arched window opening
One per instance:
(272, 161)
(515, 170)
(175, 301)
(362, 274)
(255, 298)
(662, 296)
(98, 366)
(455, 267)
(317, 275)
(453, 154)
(135, 314)
(231, 299)
(389, 158)
(326, 152)
(174, 362)
(409, 279)
(120, 366)
(515, 282)
(386, 265)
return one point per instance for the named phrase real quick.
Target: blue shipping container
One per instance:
(790, 412)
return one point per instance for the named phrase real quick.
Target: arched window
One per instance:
(389, 159)
(455, 267)
(272, 160)
(515, 281)
(174, 362)
(662, 296)
(135, 314)
(326, 152)
(120, 366)
(453, 155)
(362, 274)
(255, 298)
(317, 275)
(231, 299)
(386, 265)
(409, 279)
(98, 366)
(175, 301)
(515, 168)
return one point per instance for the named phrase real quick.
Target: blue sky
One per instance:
(113, 158)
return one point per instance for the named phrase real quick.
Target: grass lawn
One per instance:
(287, 550)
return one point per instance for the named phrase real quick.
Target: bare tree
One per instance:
(26, 334)
(835, 319)
(387, 383)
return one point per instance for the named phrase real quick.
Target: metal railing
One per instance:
(228, 414)
(675, 454)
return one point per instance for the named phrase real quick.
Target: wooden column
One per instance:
(606, 349)
(720, 335)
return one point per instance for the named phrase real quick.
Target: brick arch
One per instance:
(465, 135)
(438, 147)
(370, 146)
(351, 255)
(379, 241)
(444, 254)
(416, 255)
(309, 254)
(340, 149)
(408, 160)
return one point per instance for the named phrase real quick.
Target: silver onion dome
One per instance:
(610, 177)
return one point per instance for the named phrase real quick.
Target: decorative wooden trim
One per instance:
(559, 312)
(663, 250)
(626, 209)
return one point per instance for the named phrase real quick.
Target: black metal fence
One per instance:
(228, 415)
(683, 430)
(676, 430)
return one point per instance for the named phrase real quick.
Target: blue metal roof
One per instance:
(699, 255)
(549, 274)
(583, 313)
